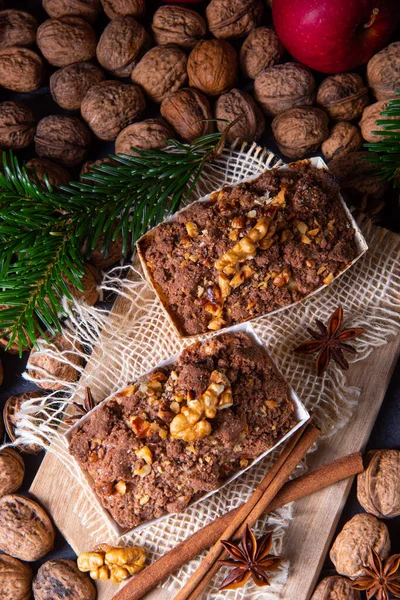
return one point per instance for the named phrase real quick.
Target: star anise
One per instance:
(381, 577)
(251, 560)
(330, 342)
(82, 409)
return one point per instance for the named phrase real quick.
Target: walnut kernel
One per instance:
(43, 169)
(237, 103)
(213, 67)
(368, 122)
(383, 72)
(61, 578)
(299, 131)
(66, 40)
(15, 578)
(343, 139)
(145, 135)
(68, 86)
(17, 125)
(188, 111)
(120, 8)
(114, 564)
(21, 69)
(343, 96)
(161, 71)
(260, 50)
(87, 9)
(178, 25)
(233, 18)
(63, 139)
(12, 471)
(50, 373)
(11, 411)
(335, 588)
(17, 28)
(378, 487)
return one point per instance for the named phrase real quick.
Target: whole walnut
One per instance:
(62, 138)
(69, 85)
(335, 588)
(281, 87)
(66, 40)
(17, 125)
(260, 50)
(237, 103)
(15, 578)
(110, 106)
(26, 531)
(383, 72)
(17, 28)
(145, 135)
(103, 259)
(378, 487)
(50, 372)
(161, 71)
(60, 579)
(233, 18)
(368, 121)
(87, 9)
(120, 8)
(350, 549)
(188, 111)
(178, 25)
(213, 67)
(90, 281)
(1, 373)
(94, 163)
(21, 69)
(343, 96)
(11, 415)
(42, 168)
(299, 131)
(12, 471)
(121, 45)
(343, 139)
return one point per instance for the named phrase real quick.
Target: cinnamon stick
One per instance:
(302, 486)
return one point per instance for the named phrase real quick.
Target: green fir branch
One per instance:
(386, 153)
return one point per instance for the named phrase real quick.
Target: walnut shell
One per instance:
(60, 579)
(17, 28)
(21, 69)
(161, 71)
(69, 85)
(11, 411)
(17, 125)
(15, 578)
(12, 471)
(343, 139)
(87, 9)
(237, 103)
(145, 135)
(281, 87)
(66, 40)
(56, 374)
(178, 25)
(120, 8)
(121, 45)
(378, 487)
(233, 18)
(213, 67)
(26, 531)
(42, 168)
(94, 163)
(298, 131)
(335, 588)
(383, 72)
(260, 50)
(350, 549)
(64, 139)
(343, 96)
(110, 106)
(101, 259)
(90, 282)
(368, 122)
(187, 111)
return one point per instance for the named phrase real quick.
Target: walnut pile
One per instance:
(350, 549)
(236, 104)
(260, 50)
(12, 471)
(213, 67)
(383, 72)
(145, 135)
(21, 69)
(178, 25)
(26, 531)
(120, 8)
(368, 121)
(233, 18)
(161, 71)
(281, 87)
(187, 111)
(343, 139)
(87, 9)
(63, 139)
(42, 169)
(298, 131)
(113, 564)
(343, 96)
(335, 588)
(17, 28)
(66, 40)
(58, 579)
(378, 487)
(68, 86)
(110, 106)
(11, 411)
(90, 281)
(17, 125)
(15, 578)
(121, 45)
(50, 372)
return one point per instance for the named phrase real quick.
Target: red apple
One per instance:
(333, 36)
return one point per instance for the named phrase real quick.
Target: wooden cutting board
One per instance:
(309, 534)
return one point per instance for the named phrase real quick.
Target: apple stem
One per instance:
(372, 18)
